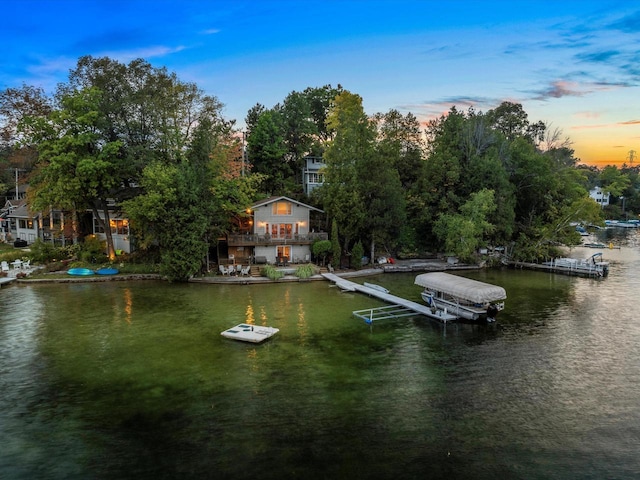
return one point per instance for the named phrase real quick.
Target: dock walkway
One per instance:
(392, 299)
(6, 280)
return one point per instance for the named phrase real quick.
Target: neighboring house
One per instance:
(277, 232)
(18, 223)
(119, 229)
(312, 173)
(601, 197)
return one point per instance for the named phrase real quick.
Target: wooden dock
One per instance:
(6, 281)
(406, 305)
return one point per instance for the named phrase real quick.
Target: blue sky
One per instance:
(572, 64)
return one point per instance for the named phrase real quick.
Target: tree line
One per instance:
(162, 149)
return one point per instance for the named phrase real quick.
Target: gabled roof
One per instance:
(20, 211)
(16, 209)
(270, 200)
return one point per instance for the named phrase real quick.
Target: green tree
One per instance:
(266, 150)
(351, 145)
(463, 233)
(76, 167)
(613, 180)
(336, 251)
(321, 248)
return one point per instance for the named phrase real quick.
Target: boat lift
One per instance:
(370, 315)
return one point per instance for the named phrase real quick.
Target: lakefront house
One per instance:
(278, 230)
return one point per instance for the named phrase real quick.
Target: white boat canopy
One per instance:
(461, 287)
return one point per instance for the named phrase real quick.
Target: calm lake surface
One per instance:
(124, 380)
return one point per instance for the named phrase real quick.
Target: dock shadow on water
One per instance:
(133, 380)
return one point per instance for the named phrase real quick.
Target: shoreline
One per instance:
(400, 266)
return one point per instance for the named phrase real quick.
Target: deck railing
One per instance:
(293, 239)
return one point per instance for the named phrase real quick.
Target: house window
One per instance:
(282, 208)
(119, 227)
(282, 230)
(315, 178)
(26, 224)
(284, 251)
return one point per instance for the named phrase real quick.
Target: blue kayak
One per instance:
(107, 271)
(80, 271)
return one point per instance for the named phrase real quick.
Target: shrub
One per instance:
(356, 255)
(270, 272)
(306, 271)
(45, 252)
(92, 249)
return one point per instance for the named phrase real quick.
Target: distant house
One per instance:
(119, 225)
(278, 231)
(312, 174)
(601, 197)
(18, 223)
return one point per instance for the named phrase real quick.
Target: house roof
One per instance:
(270, 200)
(16, 209)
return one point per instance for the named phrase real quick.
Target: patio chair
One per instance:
(26, 264)
(5, 266)
(223, 270)
(245, 271)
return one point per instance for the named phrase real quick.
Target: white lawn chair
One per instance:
(223, 270)
(5, 266)
(26, 264)
(245, 271)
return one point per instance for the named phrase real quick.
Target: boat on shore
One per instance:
(460, 296)
(80, 272)
(380, 288)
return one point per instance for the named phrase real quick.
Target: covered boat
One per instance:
(460, 296)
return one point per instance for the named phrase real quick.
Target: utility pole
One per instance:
(244, 151)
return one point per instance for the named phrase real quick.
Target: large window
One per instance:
(26, 224)
(315, 178)
(284, 252)
(282, 208)
(283, 230)
(119, 227)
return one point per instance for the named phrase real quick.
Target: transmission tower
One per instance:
(631, 157)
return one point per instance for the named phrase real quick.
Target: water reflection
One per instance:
(133, 380)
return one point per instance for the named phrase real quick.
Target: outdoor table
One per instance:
(17, 264)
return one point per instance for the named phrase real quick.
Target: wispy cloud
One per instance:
(559, 89)
(628, 23)
(156, 51)
(211, 31)
(630, 122)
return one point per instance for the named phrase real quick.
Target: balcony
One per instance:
(252, 240)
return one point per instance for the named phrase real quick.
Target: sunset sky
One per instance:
(573, 64)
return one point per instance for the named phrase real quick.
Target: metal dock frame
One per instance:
(396, 303)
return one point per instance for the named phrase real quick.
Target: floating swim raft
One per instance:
(250, 333)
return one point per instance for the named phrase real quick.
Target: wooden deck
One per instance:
(417, 308)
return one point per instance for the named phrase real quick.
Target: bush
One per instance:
(270, 272)
(306, 271)
(92, 249)
(357, 252)
(45, 252)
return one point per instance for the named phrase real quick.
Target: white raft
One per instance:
(250, 333)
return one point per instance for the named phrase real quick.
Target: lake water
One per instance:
(123, 380)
